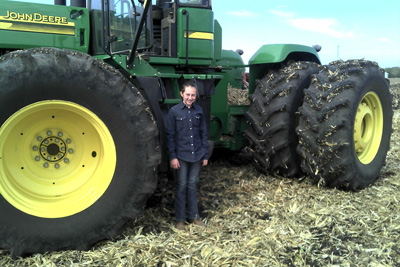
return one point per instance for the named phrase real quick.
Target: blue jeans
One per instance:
(186, 185)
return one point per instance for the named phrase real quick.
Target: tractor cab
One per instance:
(180, 29)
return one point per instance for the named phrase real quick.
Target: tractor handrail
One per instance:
(132, 53)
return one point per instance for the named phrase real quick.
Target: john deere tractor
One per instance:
(85, 88)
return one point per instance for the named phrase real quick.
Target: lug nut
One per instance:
(35, 148)
(37, 158)
(68, 141)
(70, 151)
(60, 134)
(39, 138)
(56, 165)
(49, 133)
(46, 165)
(66, 160)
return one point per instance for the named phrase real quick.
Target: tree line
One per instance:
(393, 72)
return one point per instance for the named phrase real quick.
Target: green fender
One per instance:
(268, 56)
(276, 53)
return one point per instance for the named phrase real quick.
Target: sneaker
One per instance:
(198, 222)
(180, 226)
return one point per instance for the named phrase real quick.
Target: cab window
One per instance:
(124, 22)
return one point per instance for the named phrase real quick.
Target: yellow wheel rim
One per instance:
(368, 128)
(56, 159)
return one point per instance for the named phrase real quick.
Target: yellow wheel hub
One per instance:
(56, 159)
(368, 128)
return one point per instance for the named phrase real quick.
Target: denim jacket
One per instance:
(187, 134)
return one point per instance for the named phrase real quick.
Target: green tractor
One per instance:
(85, 88)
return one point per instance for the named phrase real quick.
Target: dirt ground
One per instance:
(257, 220)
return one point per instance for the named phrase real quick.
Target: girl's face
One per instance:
(188, 96)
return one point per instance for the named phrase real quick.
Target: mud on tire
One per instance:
(272, 118)
(345, 124)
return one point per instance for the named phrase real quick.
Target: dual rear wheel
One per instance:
(332, 122)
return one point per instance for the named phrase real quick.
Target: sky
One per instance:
(346, 29)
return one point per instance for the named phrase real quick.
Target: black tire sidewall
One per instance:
(378, 85)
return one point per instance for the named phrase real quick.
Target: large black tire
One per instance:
(345, 124)
(272, 118)
(89, 99)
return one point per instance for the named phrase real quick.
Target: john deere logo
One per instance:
(35, 17)
(36, 22)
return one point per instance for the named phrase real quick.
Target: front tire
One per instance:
(345, 124)
(78, 151)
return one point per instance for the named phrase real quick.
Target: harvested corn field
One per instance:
(256, 220)
(395, 90)
(238, 96)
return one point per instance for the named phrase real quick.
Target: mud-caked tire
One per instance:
(272, 118)
(346, 124)
(78, 151)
